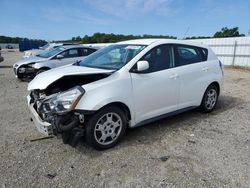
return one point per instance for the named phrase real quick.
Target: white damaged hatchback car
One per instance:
(127, 84)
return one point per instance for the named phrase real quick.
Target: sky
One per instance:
(64, 19)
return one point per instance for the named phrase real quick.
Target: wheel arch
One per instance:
(44, 68)
(122, 106)
(216, 84)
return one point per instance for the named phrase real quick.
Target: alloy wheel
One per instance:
(108, 128)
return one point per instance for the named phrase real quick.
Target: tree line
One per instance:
(104, 38)
(17, 40)
(223, 33)
(111, 38)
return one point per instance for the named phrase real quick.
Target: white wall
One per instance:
(3, 45)
(231, 51)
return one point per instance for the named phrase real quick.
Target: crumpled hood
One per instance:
(43, 80)
(29, 60)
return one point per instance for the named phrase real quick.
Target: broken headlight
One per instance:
(63, 102)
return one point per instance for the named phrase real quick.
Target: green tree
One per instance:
(227, 32)
(78, 38)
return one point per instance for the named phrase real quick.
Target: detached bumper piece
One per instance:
(73, 137)
(67, 125)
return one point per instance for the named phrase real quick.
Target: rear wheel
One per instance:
(106, 127)
(210, 99)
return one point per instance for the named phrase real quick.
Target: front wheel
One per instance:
(210, 99)
(106, 127)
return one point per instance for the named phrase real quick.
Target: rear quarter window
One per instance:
(190, 54)
(204, 53)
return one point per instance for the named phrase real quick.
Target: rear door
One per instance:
(156, 90)
(193, 72)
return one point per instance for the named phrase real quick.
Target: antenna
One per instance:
(186, 32)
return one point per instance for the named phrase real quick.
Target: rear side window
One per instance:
(86, 51)
(71, 53)
(188, 55)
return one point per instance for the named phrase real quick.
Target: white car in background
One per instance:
(56, 57)
(127, 84)
(34, 52)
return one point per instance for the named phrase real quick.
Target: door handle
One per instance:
(205, 69)
(173, 76)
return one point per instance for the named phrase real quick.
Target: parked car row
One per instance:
(34, 52)
(48, 59)
(124, 85)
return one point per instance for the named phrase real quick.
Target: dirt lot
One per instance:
(204, 150)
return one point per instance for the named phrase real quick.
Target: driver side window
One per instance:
(159, 58)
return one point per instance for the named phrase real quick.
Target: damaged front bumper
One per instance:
(42, 126)
(69, 125)
(23, 71)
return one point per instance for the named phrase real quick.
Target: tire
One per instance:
(100, 130)
(210, 99)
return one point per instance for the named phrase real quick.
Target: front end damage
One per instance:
(56, 115)
(24, 71)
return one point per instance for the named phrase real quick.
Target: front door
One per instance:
(70, 56)
(156, 90)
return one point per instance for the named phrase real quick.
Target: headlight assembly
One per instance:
(63, 102)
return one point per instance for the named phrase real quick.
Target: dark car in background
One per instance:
(1, 58)
(9, 46)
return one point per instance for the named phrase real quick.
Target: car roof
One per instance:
(151, 41)
(75, 46)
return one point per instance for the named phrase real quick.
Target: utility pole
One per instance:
(186, 32)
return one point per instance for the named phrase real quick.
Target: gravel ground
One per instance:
(188, 150)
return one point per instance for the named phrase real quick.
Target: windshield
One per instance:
(51, 52)
(44, 47)
(112, 57)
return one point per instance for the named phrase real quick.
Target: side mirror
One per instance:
(59, 56)
(142, 66)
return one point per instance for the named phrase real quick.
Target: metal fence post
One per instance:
(234, 53)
